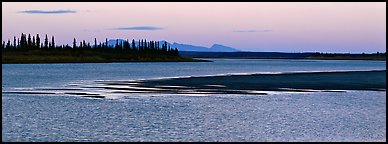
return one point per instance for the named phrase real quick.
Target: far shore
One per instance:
(196, 59)
(285, 55)
(20, 59)
(102, 61)
(312, 58)
(347, 58)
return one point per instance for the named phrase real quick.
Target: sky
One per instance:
(249, 26)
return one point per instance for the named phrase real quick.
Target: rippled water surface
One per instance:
(291, 116)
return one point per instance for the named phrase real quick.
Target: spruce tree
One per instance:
(29, 42)
(106, 43)
(126, 45)
(142, 44)
(74, 44)
(8, 44)
(33, 42)
(22, 41)
(14, 42)
(133, 44)
(37, 41)
(164, 47)
(25, 44)
(84, 44)
(121, 45)
(176, 52)
(145, 44)
(117, 44)
(95, 42)
(52, 42)
(169, 49)
(46, 42)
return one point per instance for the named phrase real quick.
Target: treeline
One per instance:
(128, 48)
(377, 54)
(339, 54)
(349, 56)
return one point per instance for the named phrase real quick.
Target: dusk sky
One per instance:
(283, 27)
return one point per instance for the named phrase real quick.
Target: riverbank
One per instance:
(285, 55)
(23, 58)
(348, 57)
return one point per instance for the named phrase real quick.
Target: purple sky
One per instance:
(286, 27)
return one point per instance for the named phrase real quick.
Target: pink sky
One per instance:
(288, 27)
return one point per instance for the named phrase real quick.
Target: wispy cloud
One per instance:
(252, 31)
(139, 28)
(48, 11)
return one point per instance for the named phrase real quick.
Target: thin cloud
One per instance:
(251, 31)
(48, 11)
(150, 28)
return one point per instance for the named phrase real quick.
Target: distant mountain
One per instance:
(214, 48)
(186, 47)
(221, 48)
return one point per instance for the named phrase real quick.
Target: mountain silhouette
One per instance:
(221, 48)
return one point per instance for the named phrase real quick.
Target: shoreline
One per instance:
(323, 58)
(69, 60)
(288, 58)
(196, 59)
(81, 62)
(285, 55)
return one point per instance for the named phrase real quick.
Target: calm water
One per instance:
(350, 116)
